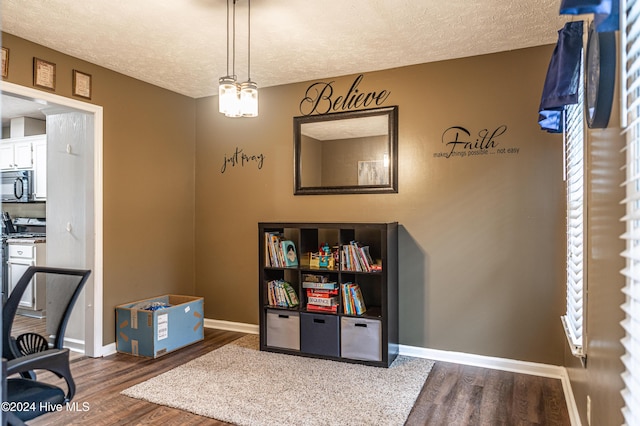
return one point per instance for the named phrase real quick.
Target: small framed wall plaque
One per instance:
(5, 62)
(44, 74)
(81, 84)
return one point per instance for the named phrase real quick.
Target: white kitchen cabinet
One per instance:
(22, 254)
(22, 155)
(15, 271)
(15, 156)
(6, 156)
(17, 153)
(40, 170)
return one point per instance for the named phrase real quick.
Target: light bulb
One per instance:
(249, 99)
(228, 101)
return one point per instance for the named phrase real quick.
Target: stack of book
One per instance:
(279, 252)
(280, 293)
(352, 299)
(322, 294)
(356, 257)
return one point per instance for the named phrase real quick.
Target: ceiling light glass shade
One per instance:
(249, 99)
(235, 110)
(228, 100)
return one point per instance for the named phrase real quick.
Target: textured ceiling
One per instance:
(181, 44)
(360, 127)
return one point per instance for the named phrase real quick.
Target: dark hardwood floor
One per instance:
(25, 324)
(452, 395)
(457, 394)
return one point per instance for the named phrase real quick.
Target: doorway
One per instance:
(58, 108)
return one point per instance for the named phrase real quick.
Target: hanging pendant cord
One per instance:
(249, 41)
(228, 37)
(234, 39)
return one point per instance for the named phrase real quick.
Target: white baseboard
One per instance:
(574, 415)
(74, 345)
(232, 326)
(109, 349)
(504, 364)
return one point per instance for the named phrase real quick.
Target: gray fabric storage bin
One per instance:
(283, 329)
(319, 334)
(361, 339)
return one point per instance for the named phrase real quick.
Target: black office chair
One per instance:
(30, 352)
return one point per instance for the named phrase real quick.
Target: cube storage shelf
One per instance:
(370, 338)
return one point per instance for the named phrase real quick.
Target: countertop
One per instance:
(27, 240)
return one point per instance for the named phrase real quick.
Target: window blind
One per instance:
(630, 41)
(574, 174)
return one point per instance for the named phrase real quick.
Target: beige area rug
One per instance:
(239, 384)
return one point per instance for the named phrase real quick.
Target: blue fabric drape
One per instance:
(581, 7)
(608, 22)
(561, 85)
(606, 12)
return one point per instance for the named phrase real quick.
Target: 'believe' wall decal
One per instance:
(318, 99)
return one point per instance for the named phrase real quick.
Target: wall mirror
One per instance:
(354, 152)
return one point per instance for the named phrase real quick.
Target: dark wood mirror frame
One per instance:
(369, 165)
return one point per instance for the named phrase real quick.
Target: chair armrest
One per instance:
(45, 360)
(54, 360)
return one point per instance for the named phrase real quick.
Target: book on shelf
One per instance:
(315, 278)
(358, 300)
(357, 257)
(320, 286)
(322, 301)
(318, 292)
(289, 251)
(345, 299)
(352, 300)
(377, 267)
(320, 308)
(279, 252)
(282, 294)
(272, 242)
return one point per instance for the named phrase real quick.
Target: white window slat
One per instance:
(573, 320)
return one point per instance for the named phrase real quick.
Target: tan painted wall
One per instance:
(482, 242)
(312, 168)
(482, 237)
(342, 156)
(149, 149)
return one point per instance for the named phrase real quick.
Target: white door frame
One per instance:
(93, 294)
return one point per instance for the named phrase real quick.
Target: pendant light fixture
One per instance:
(237, 100)
(249, 89)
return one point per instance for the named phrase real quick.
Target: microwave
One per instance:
(17, 186)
